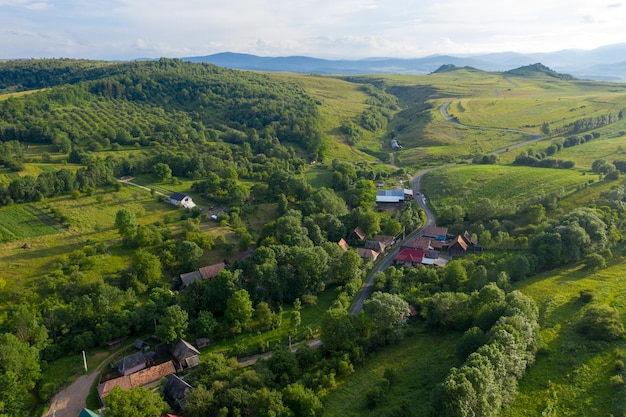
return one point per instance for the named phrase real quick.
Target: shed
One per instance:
(185, 354)
(189, 278)
(211, 271)
(357, 234)
(367, 254)
(343, 244)
(458, 247)
(375, 246)
(175, 391)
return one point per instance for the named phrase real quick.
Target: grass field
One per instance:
(420, 362)
(509, 185)
(23, 222)
(571, 374)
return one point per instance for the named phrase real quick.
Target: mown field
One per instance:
(511, 185)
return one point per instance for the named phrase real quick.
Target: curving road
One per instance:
(368, 286)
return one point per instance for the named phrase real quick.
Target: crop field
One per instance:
(571, 376)
(465, 184)
(22, 222)
(419, 361)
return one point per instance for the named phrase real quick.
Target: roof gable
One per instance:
(183, 350)
(413, 255)
(131, 361)
(190, 277)
(211, 271)
(178, 196)
(176, 388)
(343, 244)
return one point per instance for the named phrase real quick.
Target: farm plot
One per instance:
(20, 222)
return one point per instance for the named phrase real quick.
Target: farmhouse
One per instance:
(180, 199)
(175, 391)
(144, 378)
(409, 257)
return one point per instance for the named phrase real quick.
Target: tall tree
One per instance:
(136, 402)
(239, 310)
(173, 324)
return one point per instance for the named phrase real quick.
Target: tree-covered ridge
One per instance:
(215, 103)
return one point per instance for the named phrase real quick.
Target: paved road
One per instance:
(368, 286)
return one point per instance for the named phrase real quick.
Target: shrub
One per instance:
(601, 322)
(586, 296)
(616, 380)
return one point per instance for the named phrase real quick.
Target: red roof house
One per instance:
(409, 256)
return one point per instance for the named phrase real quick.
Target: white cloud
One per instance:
(323, 28)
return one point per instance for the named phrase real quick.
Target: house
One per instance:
(439, 233)
(211, 271)
(175, 391)
(180, 199)
(387, 241)
(430, 246)
(185, 355)
(457, 247)
(357, 234)
(409, 257)
(389, 196)
(471, 243)
(189, 278)
(375, 246)
(88, 413)
(408, 194)
(144, 378)
(343, 244)
(132, 363)
(367, 254)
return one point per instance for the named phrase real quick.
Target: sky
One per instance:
(331, 29)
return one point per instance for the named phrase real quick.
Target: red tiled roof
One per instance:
(413, 255)
(385, 240)
(138, 379)
(459, 239)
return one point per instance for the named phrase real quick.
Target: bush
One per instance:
(616, 380)
(601, 322)
(586, 296)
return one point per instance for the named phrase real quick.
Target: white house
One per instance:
(180, 199)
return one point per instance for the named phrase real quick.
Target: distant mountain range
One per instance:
(607, 63)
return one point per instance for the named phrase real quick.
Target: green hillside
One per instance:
(530, 163)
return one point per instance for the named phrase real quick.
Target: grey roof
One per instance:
(190, 277)
(130, 361)
(178, 196)
(139, 344)
(176, 388)
(184, 350)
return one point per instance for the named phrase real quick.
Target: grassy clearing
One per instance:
(420, 361)
(311, 317)
(571, 374)
(465, 184)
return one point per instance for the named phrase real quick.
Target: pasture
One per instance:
(510, 185)
(571, 376)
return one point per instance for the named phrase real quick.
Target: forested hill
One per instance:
(161, 101)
